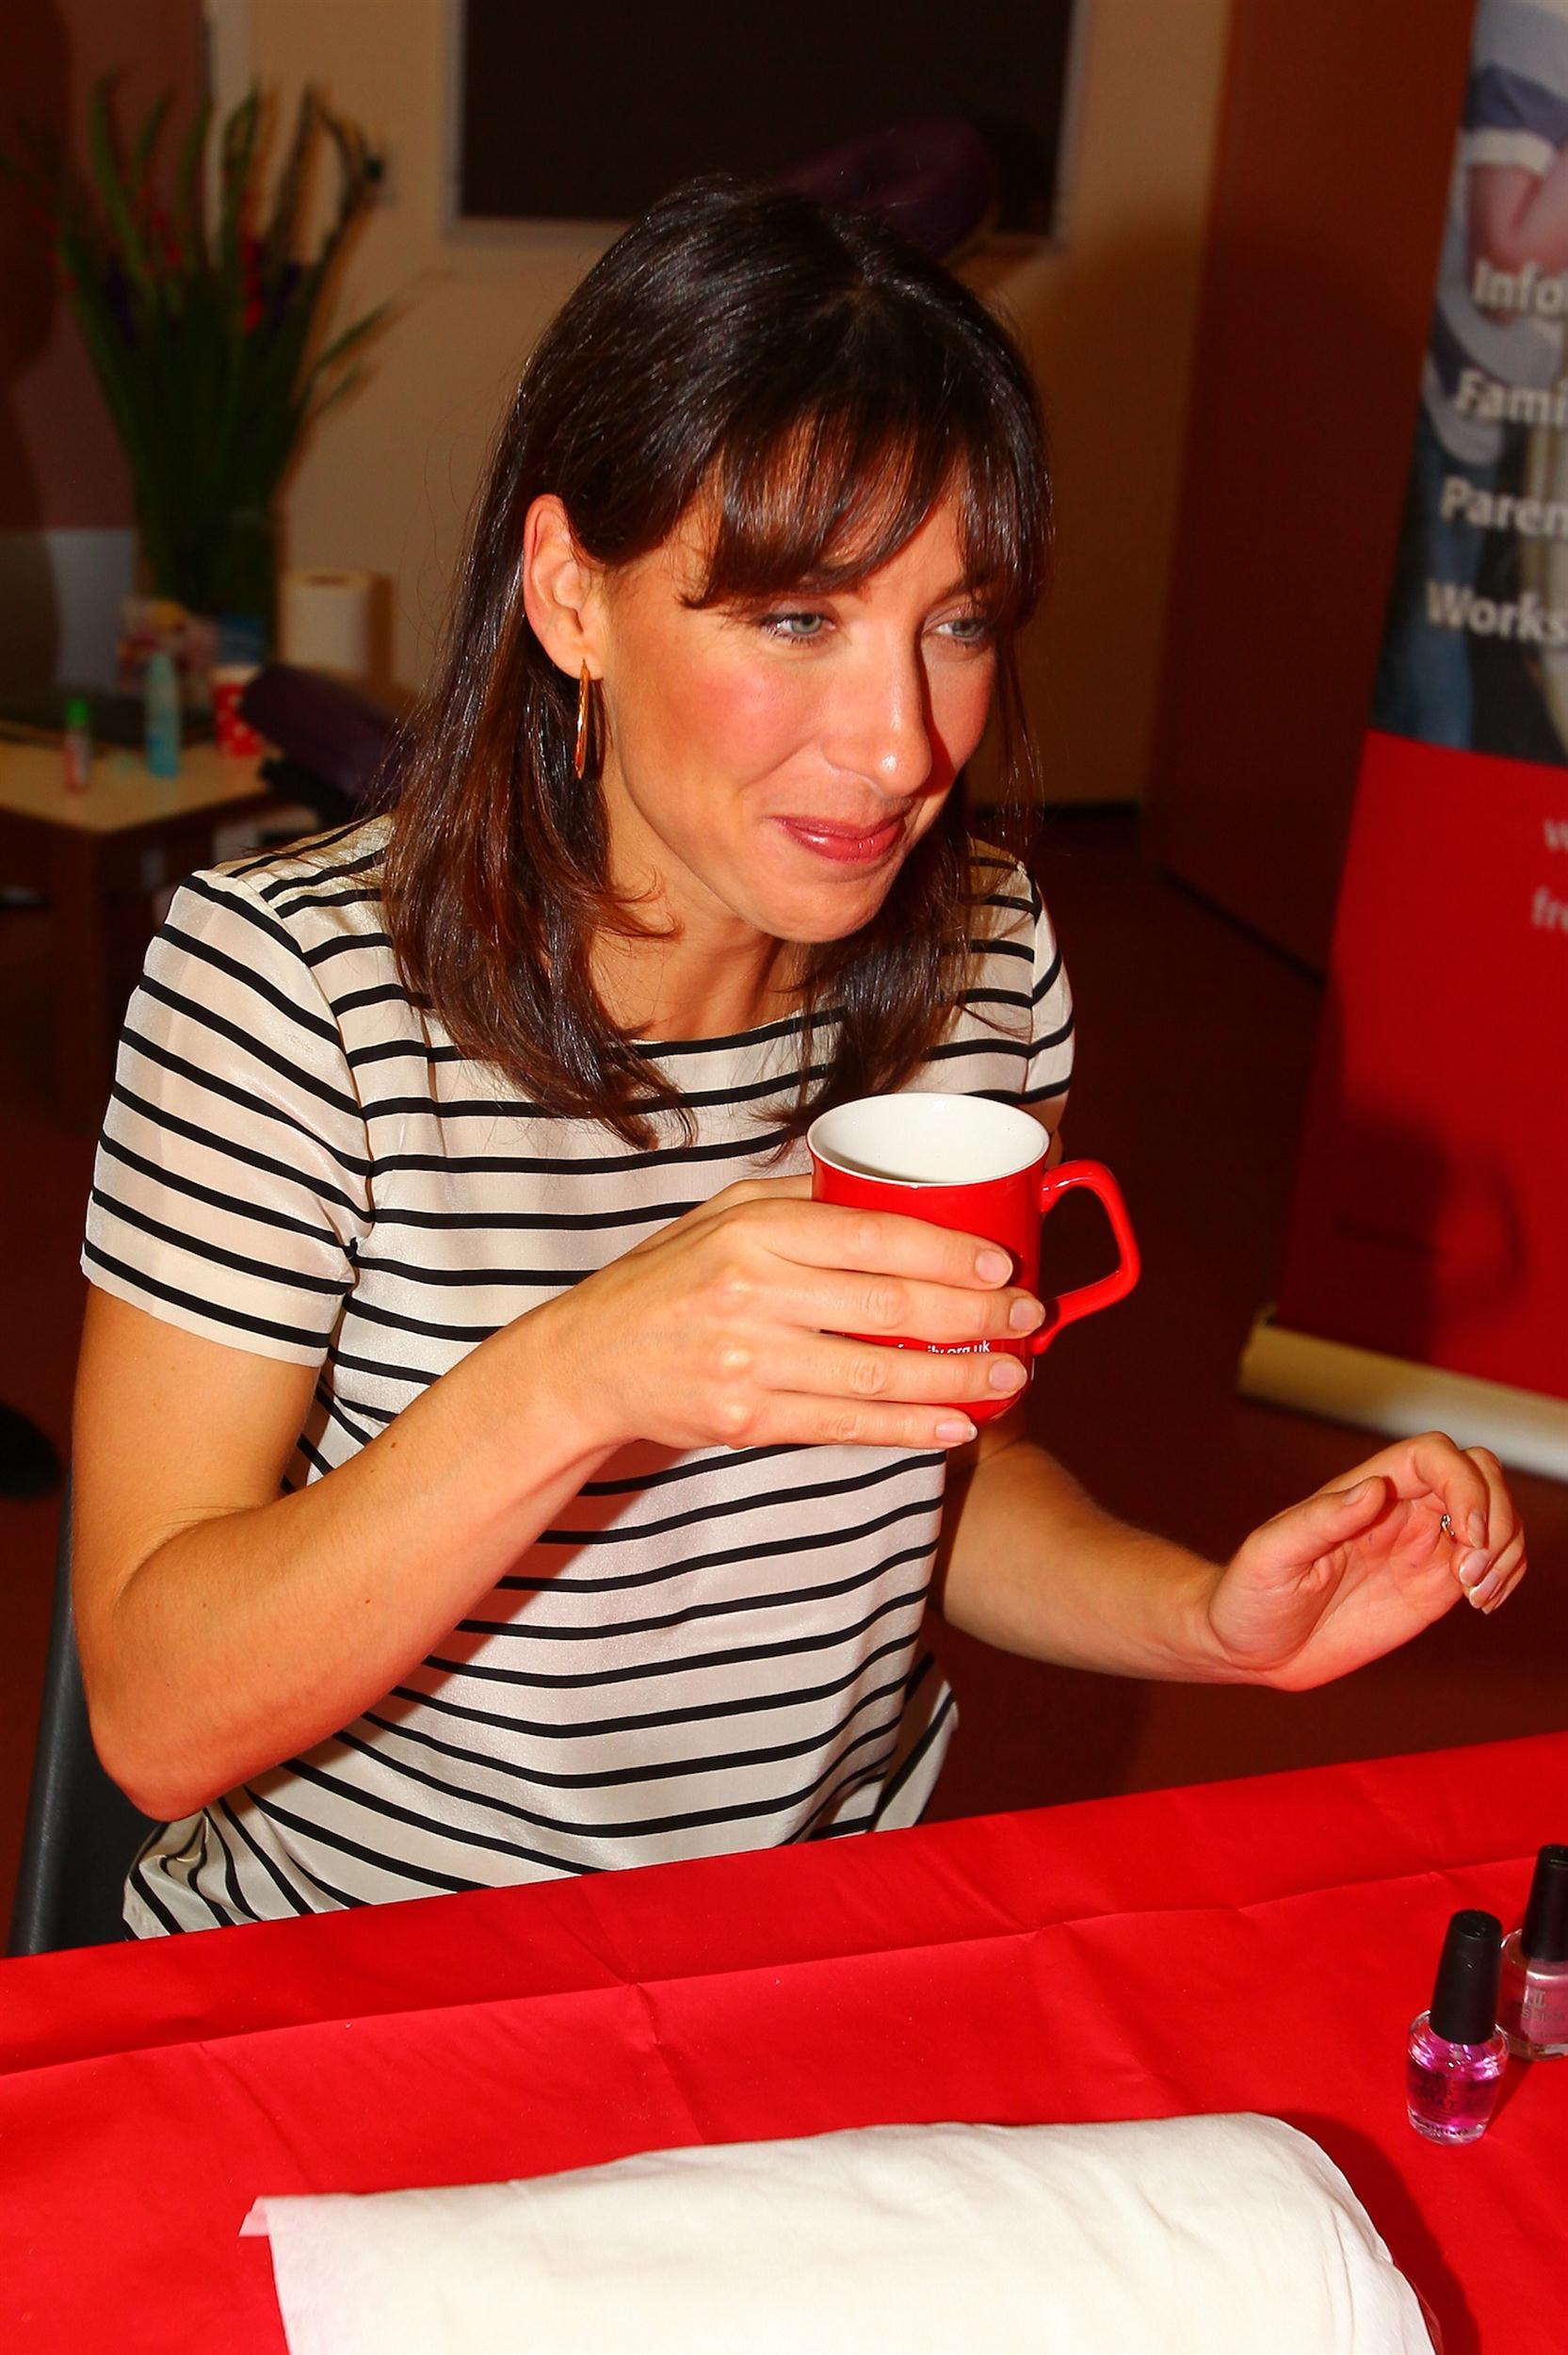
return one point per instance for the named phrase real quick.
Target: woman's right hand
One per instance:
(726, 1328)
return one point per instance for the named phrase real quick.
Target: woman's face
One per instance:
(769, 768)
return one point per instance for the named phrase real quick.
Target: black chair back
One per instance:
(338, 750)
(82, 1831)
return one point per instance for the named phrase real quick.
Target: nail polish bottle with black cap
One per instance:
(1457, 2052)
(1533, 2007)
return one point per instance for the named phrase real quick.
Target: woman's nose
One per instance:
(884, 727)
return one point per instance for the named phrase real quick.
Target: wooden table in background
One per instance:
(89, 854)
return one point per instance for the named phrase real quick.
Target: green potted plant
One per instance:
(208, 339)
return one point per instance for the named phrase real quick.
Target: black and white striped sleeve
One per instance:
(231, 1184)
(1050, 1064)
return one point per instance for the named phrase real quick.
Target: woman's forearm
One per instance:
(247, 1636)
(1031, 1564)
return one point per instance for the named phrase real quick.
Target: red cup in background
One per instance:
(237, 739)
(967, 1162)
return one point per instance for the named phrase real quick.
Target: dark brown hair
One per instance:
(822, 383)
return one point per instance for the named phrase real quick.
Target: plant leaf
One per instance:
(147, 138)
(346, 384)
(188, 187)
(239, 146)
(351, 335)
(111, 188)
(285, 204)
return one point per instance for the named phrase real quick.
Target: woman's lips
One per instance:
(841, 844)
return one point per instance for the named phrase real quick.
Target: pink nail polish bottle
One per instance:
(1533, 2007)
(1457, 2052)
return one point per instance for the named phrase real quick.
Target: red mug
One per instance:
(968, 1163)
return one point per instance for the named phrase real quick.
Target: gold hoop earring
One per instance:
(584, 693)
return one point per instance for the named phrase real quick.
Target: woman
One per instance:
(471, 1485)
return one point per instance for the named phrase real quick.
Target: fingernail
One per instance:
(992, 1266)
(1024, 1315)
(1005, 1375)
(1476, 1526)
(955, 1429)
(1486, 1594)
(1470, 1568)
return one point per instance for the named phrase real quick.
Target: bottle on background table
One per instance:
(1534, 2008)
(1457, 2052)
(160, 693)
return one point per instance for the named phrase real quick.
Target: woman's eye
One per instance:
(969, 629)
(793, 628)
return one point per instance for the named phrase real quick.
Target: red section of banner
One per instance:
(1431, 1219)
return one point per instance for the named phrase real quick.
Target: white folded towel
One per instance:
(1175, 2236)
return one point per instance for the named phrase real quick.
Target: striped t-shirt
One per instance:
(713, 1650)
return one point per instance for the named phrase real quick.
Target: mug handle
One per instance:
(1070, 1305)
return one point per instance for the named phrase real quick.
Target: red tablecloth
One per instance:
(1254, 1945)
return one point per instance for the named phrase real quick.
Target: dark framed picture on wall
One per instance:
(556, 118)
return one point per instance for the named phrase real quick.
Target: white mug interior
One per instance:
(921, 1139)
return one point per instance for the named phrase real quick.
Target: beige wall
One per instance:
(1108, 320)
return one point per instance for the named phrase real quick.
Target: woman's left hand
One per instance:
(1362, 1565)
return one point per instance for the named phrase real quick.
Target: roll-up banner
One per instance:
(1426, 1272)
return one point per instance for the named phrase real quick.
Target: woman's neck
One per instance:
(673, 989)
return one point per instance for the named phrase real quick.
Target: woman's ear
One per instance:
(560, 589)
